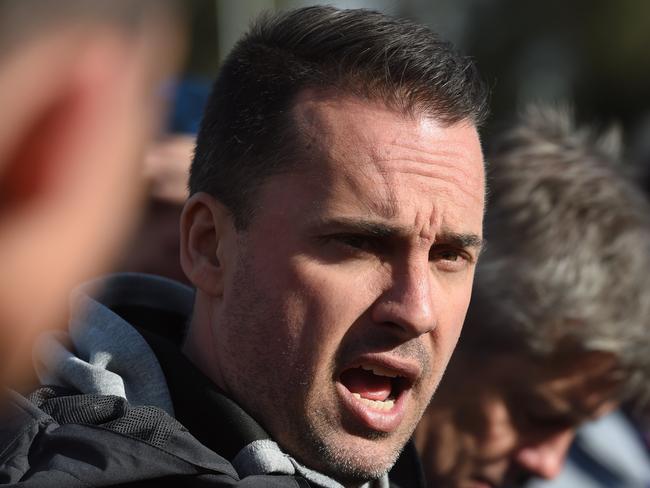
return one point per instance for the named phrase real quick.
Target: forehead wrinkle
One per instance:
(325, 137)
(383, 200)
(451, 179)
(444, 155)
(442, 166)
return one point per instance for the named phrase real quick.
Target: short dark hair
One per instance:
(246, 134)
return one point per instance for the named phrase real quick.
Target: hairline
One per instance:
(296, 135)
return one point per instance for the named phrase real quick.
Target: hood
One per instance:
(102, 353)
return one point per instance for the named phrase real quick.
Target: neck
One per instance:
(199, 343)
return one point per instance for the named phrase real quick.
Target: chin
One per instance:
(350, 467)
(353, 459)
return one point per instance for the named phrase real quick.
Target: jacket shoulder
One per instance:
(59, 438)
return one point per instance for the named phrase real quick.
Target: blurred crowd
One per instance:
(551, 376)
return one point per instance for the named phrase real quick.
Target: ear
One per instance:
(208, 242)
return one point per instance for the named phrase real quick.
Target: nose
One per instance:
(408, 301)
(545, 458)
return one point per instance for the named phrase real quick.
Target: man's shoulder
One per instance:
(60, 438)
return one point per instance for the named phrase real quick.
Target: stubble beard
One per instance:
(352, 455)
(326, 441)
(316, 438)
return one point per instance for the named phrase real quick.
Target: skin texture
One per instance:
(366, 254)
(514, 420)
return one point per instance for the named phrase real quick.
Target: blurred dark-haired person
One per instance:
(558, 329)
(78, 84)
(331, 234)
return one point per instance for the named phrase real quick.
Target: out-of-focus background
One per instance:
(595, 53)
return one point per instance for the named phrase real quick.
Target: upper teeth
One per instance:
(379, 371)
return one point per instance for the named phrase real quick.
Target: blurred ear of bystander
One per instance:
(79, 87)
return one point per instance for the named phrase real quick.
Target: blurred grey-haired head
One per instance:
(567, 265)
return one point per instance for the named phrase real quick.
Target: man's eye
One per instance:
(449, 255)
(361, 243)
(450, 259)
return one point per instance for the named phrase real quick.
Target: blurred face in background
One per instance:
(500, 421)
(79, 103)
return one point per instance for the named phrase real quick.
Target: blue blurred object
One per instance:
(189, 96)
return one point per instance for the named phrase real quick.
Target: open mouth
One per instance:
(376, 394)
(375, 386)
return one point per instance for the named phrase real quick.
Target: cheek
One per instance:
(458, 291)
(461, 298)
(322, 302)
(318, 301)
(451, 304)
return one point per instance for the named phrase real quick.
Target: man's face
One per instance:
(352, 282)
(514, 420)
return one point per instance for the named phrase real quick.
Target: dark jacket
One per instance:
(60, 437)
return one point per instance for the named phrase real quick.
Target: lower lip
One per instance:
(378, 420)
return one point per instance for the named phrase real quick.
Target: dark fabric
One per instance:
(73, 440)
(59, 438)
(213, 418)
(408, 471)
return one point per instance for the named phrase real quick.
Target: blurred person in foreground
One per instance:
(332, 232)
(78, 84)
(558, 329)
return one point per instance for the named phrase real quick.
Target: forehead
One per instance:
(363, 147)
(344, 124)
(579, 384)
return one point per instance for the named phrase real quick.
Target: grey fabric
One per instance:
(265, 456)
(106, 356)
(321, 480)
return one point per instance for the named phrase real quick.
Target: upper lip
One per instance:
(409, 370)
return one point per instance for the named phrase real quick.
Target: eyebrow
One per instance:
(385, 230)
(462, 240)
